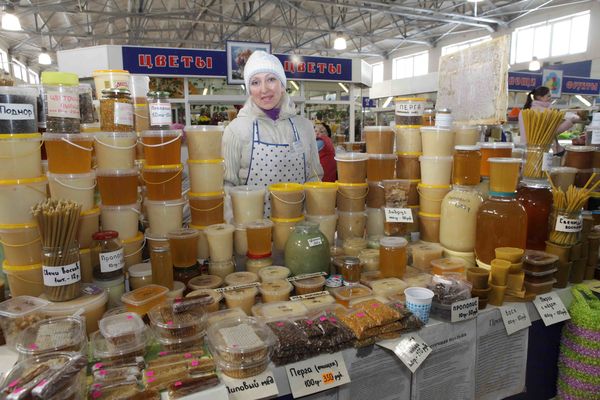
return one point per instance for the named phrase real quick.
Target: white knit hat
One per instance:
(263, 62)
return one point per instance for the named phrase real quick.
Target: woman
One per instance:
(326, 151)
(267, 142)
(539, 99)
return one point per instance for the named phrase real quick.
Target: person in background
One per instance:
(539, 99)
(268, 142)
(326, 151)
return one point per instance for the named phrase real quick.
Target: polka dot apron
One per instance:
(273, 163)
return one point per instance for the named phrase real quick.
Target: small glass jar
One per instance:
(162, 266)
(443, 118)
(255, 264)
(62, 272)
(428, 118)
(159, 109)
(116, 110)
(61, 98)
(108, 256)
(350, 268)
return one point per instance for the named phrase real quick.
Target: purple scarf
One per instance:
(272, 113)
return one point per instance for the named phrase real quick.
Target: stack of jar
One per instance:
(459, 207)
(381, 167)
(581, 158)
(489, 150)
(69, 153)
(351, 195)
(248, 205)
(437, 144)
(22, 185)
(206, 170)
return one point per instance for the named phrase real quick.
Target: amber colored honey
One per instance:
(169, 153)
(67, 158)
(117, 190)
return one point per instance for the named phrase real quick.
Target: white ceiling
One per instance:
(372, 27)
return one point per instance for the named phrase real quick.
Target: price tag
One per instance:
(547, 162)
(62, 105)
(515, 317)
(596, 136)
(112, 261)
(237, 287)
(13, 111)
(551, 308)
(317, 374)
(305, 276)
(315, 242)
(464, 310)
(564, 224)
(398, 215)
(412, 351)
(123, 114)
(61, 276)
(160, 113)
(309, 295)
(255, 387)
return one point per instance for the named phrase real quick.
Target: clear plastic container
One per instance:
(309, 285)
(114, 288)
(177, 291)
(164, 216)
(273, 273)
(61, 98)
(51, 335)
(20, 155)
(241, 371)
(388, 286)
(184, 246)
(17, 196)
(242, 298)
(204, 141)
(17, 314)
(205, 282)
(317, 303)
(163, 182)
(162, 147)
(20, 104)
(345, 294)
(68, 153)
(117, 186)
(241, 340)
(133, 250)
(240, 278)
(279, 310)
(140, 275)
(169, 324)
(447, 265)
(89, 223)
(221, 268)
(217, 297)
(123, 219)
(24, 280)
(115, 150)
(91, 304)
(218, 316)
(122, 329)
(144, 299)
(539, 288)
(181, 344)
(278, 290)
(105, 352)
(539, 261)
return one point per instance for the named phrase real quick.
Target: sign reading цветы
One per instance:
(316, 374)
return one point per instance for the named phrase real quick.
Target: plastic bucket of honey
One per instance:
(206, 175)
(162, 147)
(24, 280)
(69, 153)
(429, 226)
(320, 197)
(408, 166)
(436, 170)
(207, 208)
(89, 223)
(17, 196)
(381, 166)
(76, 187)
(123, 219)
(117, 186)
(352, 167)
(115, 150)
(493, 149)
(202, 242)
(21, 243)
(20, 156)
(437, 141)
(380, 139)
(204, 141)
(352, 196)
(287, 200)
(164, 216)
(132, 250)
(247, 203)
(504, 174)
(431, 196)
(163, 182)
(282, 229)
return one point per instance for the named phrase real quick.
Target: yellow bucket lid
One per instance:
(197, 227)
(166, 167)
(17, 268)
(18, 226)
(59, 78)
(428, 215)
(213, 161)
(298, 219)
(91, 211)
(13, 136)
(39, 179)
(352, 184)
(321, 185)
(286, 187)
(423, 185)
(206, 194)
(409, 153)
(136, 238)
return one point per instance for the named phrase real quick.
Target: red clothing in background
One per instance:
(326, 156)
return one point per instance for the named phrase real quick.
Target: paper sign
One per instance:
(255, 387)
(61, 276)
(123, 114)
(237, 287)
(112, 261)
(317, 374)
(398, 215)
(14, 111)
(62, 105)
(596, 137)
(551, 308)
(464, 310)
(547, 162)
(412, 351)
(515, 317)
(315, 242)
(564, 224)
(160, 113)
(309, 295)
(305, 276)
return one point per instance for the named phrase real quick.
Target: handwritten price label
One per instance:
(464, 310)
(515, 317)
(398, 215)
(317, 374)
(412, 351)
(551, 308)
(256, 387)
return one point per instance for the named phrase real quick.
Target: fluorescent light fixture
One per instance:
(339, 43)
(205, 91)
(295, 85)
(387, 102)
(583, 100)
(10, 22)
(343, 87)
(44, 58)
(534, 64)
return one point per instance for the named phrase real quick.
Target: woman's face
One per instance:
(546, 98)
(320, 130)
(266, 90)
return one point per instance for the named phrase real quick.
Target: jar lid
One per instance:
(495, 145)
(140, 270)
(158, 93)
(117, 91)
(392, 241)
(346, 260)
(505, 160)
(105, 235)
(59, 78)
(464, 147)
(579, 149)
(183, 233)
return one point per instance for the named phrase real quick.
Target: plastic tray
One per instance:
(242, 340)
(51, 335)
(539, 261)
(279, 309)
(241, 371)
(182, 344)
(539, 288)
(105, 351)
(123, 328)
(19, 313)
(170, 325)
(344, 294)
(141, 300)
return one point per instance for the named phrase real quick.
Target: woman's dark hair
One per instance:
(535, 94)
(327, 128)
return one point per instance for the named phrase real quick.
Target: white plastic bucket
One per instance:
(327, 225)
(206, 175)
(204, 141)
(115, 150)
(76, 187)
(164, 216)
(248, 203)
(437, 141)
(89, 223)
(17, 196)
(436, 170)
(123, 219)
(20, 156)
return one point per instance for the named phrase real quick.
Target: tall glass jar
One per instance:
(162, 266)
(307, 249)
(61, 98)
(108, 258)
(61, 272)
(116, 110)
(536, 197)
(565, 226)
(501, 222)
(159, 109)
(458, 221)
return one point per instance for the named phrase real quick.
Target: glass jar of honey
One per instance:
(536, 198)
(392, 257)
(466, 165)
